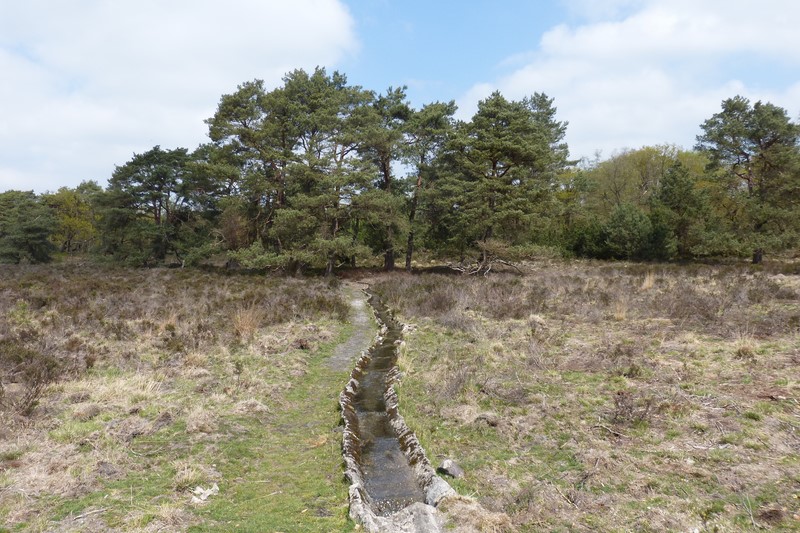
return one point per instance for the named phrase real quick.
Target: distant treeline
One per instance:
(319, 174)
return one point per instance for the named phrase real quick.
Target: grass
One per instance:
(578, 396)
(623, 397)
(170, 382)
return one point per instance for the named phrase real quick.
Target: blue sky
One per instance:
(86, 84)
(439, 50)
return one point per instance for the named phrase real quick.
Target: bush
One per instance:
(25, 228)
(628, 232)
(31, 368)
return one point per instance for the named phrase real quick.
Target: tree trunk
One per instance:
(388, 259)
(412, 215)
(409, 249)
(388, 255)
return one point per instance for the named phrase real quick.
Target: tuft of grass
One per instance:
(188, 475)
(649, 281)
(247, 320)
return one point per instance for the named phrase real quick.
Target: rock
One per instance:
(200, 494)
(451, 468)
(437, 490)
(416, 518)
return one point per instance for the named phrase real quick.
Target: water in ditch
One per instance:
(389, 480)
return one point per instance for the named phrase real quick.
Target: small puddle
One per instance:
(389, 480)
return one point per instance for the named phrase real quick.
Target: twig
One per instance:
(586, 475)
(749, 508)
(90, 513)
(512, 265)
(617, 433)
(565, 498)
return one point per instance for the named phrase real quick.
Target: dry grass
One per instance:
(247, 320)
(159, 370)
(613, 397)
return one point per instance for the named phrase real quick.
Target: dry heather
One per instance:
(134, 387)
(586, 396)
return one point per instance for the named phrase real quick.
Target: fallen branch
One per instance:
(483, 266)
(748, 507)
(617, 433)
(90, 513)
(565, 498)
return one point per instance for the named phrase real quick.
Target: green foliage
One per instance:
(304, 176)
(25, 228)
(682, 214)
(634, 176)
(696, 203)
(75, 217)
(427, 131)
(755, 153)
(314, 160)
(586, 237)
(156, 204)
(496, 169)
(383, 144)
(628, 233)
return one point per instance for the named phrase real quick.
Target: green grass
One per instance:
(131, 436)
(613, 424)
(284, 475)
(288, 474)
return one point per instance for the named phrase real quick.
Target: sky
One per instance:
(86, 84)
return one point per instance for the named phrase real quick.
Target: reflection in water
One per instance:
(388, 479)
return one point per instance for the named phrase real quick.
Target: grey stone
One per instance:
(437, 490)
(451, 468)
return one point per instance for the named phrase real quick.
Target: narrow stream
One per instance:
(389, 480)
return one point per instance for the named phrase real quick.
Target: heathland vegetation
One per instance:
(580, 390)
(610, 396)
(577, 395)
(124, 390)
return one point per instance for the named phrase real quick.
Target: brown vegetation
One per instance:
(587, 396)
(122, 388)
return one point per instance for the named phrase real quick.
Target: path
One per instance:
(364, 328)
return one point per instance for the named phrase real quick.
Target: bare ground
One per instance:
(363, 326)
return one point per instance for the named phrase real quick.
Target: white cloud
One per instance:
(641, 72)
(88, 83)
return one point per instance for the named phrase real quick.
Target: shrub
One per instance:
(33, 369)
(628, 232)
(632, 407)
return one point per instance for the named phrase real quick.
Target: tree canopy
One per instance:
(25, 228)
(318, 173)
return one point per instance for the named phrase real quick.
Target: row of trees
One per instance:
(318, 173)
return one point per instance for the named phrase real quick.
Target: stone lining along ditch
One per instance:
(393, 486)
